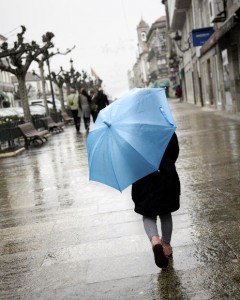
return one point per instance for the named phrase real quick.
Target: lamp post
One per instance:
(177, 37)
(42, 78)
(71, 63)
(72, 72)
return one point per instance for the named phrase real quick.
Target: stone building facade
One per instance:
(137, 76)
(6, 86)
(151, 65)
(157, 55)
(33, 86)
(209, 73)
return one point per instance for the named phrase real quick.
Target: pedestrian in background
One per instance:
(84, 108)
(93, 105)
(178, 92)
(158, 194)
(72, 104)
(101, 100)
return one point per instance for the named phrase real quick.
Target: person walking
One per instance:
(178, 92)
(101, 100)
(158, 194)
(72, 104)
(93, 105)
(84, 108)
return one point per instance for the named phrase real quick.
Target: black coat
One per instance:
(101, 101)
(159, 192)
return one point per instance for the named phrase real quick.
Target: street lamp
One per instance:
(73, 76)
(177, 37)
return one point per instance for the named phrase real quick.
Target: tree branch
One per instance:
(7, 68)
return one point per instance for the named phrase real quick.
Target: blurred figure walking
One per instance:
(72, 104)
(84, 108)
(101, 100)
(178, 92)
(93, 105)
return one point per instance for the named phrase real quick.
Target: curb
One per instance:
(13, 153)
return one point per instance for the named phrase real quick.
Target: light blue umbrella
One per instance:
(129, 138)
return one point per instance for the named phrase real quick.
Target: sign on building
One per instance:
(201, 35)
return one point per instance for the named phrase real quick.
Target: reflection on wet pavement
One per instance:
(63, 237)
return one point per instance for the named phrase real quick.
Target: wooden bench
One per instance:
(31, 134)
(66, 118)
(50, 125)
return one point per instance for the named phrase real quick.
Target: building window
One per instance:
(143, 36)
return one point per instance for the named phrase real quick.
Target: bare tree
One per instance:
(59, 81)
(51, 77)
(77, 79)
(71, 77)
(17, 92)
(86, 81)
(18, 59)
(40, 64)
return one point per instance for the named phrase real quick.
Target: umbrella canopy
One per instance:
(129, 138)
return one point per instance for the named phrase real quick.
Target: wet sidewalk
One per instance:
(63, 237)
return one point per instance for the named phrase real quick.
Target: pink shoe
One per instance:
(167, 248)
(161, 260)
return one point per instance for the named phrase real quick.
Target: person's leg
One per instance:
(78, 123)
(76, 119)
(88, 122)
(150, 226)
(85, 123)
(94, 116)
(166, 226)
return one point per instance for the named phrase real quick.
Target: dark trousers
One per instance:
(94, 115)
(86, 122)
(76, 119)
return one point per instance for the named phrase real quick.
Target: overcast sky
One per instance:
(104, 32)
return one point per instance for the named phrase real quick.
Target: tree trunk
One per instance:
(24, 98)
(60, 88)
(43, 87)
(68, 88)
